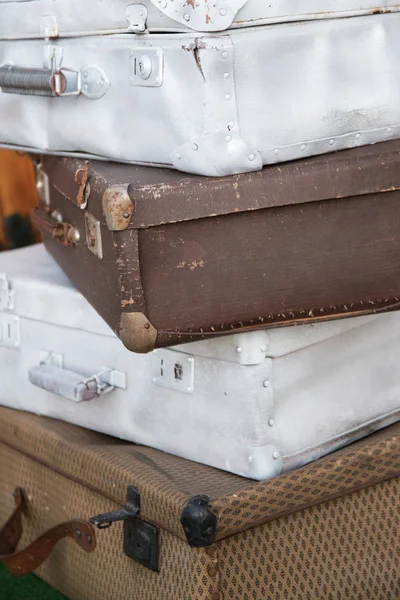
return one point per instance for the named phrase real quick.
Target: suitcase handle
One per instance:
(52, 377)
(91, 81)
(52, 224)
(27, 560)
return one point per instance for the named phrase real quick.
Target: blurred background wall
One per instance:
(17, 198)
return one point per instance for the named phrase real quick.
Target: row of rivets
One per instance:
(332, 141)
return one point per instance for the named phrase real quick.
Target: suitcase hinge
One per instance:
(140, 537)
(199, 522)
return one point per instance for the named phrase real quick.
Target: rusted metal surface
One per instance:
(117, 207)
(81, 178)
(27, 560)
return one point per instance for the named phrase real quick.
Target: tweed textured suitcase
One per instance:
(262, 402)
(168, 258)
(328, 530)
(199, 103)
(51, 19)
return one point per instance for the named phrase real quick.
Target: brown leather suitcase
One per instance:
(184, 531)
(168, 258)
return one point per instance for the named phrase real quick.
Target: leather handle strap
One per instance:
(27, 560)
(64, 233)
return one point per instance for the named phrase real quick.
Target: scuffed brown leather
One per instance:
(27, 560)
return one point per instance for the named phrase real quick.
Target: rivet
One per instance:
(195, 147)
(101, 82)
(263, 348)
(276, 455)
(276, 151)
(358, 135)
(190, 359)
(147, 325)
(223, 12)
(271, 422)
(227, 97)
(186, 17)
(78, 532)
(163, 4)
(224, 54)
(228, 138)
(389, 130)
(266, 383)
(250, 459)
(226, 75)
(251, 156)
(126, 215)
(89, 538)
(178, 156)
(238, 349)
(303, 147)
(189, 389)
(154, 380)
(331, 142)
(231, 124)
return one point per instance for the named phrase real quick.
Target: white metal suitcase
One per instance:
(20, 19)
(207, 104)
(255, 404)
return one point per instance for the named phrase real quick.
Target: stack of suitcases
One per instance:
(219, 284)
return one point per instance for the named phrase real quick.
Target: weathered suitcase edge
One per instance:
(362, 457)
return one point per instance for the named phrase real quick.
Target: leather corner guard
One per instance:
(27, 560)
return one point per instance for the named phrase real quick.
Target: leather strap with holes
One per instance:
(27, 560)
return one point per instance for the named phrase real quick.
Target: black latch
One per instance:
(140, 537)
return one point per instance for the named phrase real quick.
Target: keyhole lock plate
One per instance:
(147, 67)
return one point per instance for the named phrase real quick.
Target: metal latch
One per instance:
(136, 14)
(42, 185)
(82, 179)
(6, 294)
(140, 538)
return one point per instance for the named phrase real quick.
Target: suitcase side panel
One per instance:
(343, 548)
(283, 265)
(216, 125)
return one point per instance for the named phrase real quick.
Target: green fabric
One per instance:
(28, 587)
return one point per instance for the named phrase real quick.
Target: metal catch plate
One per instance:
(93, 235)
(141, 543)
(9, 331)
(173, 370)
(147, 67)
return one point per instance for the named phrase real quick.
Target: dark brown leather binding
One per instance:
(168, 258)
(27, 560)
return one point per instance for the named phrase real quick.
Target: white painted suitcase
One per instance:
(255, 403)
(207, 104)
(20, 19)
